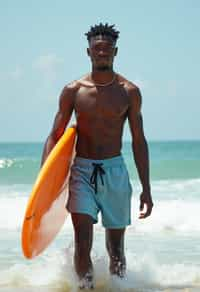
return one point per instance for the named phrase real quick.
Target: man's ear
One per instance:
(88, 52)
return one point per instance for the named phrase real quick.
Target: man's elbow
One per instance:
(55, 136)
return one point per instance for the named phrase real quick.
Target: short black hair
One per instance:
(103, 29)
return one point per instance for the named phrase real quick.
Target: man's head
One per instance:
(102, 40)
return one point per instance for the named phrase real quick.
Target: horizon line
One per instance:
(124, 140)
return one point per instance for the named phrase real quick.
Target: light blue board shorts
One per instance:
(101, 185)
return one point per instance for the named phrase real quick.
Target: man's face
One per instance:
(102, 51)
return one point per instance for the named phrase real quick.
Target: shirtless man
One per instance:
(102, 101)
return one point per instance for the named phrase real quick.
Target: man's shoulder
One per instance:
(71, 86)
(85, 81)
(128, 85)
(75, 85)
(131, 88)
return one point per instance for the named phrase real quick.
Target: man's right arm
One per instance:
(66, 105)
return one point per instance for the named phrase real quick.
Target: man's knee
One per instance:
(81, 220)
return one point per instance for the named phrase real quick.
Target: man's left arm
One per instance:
(140, 150)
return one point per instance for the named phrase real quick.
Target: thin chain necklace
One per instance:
(104, 84)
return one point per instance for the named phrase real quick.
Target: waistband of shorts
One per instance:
(108, 162)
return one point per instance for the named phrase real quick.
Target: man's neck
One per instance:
(99, 76)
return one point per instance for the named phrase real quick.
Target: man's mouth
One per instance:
(102, 61)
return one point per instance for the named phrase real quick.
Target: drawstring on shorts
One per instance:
(98, 169)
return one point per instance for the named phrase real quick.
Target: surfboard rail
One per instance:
(45, 211)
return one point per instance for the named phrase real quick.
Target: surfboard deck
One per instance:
(46, 212)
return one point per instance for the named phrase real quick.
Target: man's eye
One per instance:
(104, 49)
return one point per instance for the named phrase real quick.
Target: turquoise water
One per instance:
(162, 251)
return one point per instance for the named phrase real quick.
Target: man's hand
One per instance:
(145, 201)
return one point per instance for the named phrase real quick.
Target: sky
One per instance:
(43, 47)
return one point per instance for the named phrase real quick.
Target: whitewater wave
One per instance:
(144, 273)
(5, 163)
(176, 207)
(167, 216)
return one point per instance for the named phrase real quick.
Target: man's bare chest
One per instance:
(101, 102)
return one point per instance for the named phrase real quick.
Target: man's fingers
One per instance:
(147, 213)
(141, 205)
(73, 126)
(144, 215)
(146, 205)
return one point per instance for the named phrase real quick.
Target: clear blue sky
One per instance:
(43, 47)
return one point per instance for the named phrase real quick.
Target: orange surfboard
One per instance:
(46, 212)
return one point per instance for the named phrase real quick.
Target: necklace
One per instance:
(104, 84)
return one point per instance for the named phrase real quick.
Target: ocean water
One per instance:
(162, 251)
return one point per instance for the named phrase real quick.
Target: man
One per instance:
(102, 101)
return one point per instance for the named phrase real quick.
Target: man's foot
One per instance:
(86, 282)
(118, 267)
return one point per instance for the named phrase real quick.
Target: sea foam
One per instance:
(144, 273)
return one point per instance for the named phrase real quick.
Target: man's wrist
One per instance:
(146, 188)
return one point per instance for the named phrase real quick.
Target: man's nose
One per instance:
(103, 53)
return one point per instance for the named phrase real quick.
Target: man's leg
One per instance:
(83, 229)
(115, 247)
